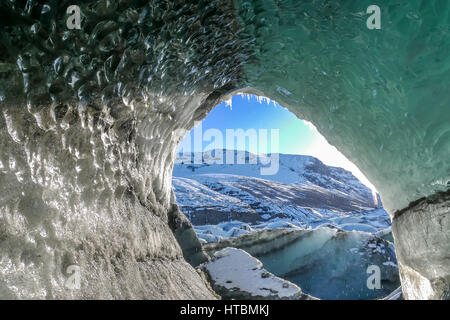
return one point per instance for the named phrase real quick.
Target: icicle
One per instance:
(229, 102)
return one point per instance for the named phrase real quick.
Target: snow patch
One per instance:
(240, 274)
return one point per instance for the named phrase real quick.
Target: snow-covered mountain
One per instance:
(224, 200)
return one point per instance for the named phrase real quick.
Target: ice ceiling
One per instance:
(91, 118)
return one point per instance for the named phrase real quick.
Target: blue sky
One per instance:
(295, 136)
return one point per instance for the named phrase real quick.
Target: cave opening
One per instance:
(89, 120)
(255, 177)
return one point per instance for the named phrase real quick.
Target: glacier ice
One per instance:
(380, 97)
(90, 121)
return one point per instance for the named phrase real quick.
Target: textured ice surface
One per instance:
(381, 97)
(88, 128)
(90, 120)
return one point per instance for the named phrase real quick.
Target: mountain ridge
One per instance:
(304, 193)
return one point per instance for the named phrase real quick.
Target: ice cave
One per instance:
(92, 115)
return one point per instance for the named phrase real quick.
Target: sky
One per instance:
(249, 112)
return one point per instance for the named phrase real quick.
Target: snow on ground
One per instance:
(236, 274)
